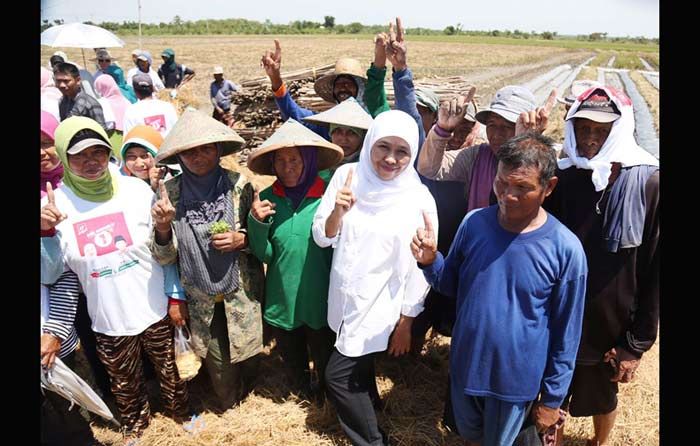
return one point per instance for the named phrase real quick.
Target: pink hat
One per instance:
(48, 124)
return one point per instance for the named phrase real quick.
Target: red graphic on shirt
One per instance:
(157, 122)
(102, 235)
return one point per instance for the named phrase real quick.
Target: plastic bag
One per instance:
(186, 360)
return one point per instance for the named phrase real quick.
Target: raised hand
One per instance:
(451, 112)
(51, 216)
(424, 245)
(163, 211)
(345, 199)
(537, 119)
(155, 174)
(396, 47)
(380, 42)
(271, 62)
(261, 209)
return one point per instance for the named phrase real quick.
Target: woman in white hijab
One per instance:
(369, 213)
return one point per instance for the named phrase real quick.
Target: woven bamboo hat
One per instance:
(348, 113)
(293, 134)
(351, 67)
(194, 129)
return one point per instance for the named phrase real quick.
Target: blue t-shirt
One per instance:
(520, 300)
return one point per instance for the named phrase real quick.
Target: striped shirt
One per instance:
(63, 304)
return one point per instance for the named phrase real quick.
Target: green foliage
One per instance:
(329, 27)
(219, 227)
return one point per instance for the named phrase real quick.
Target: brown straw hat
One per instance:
(348, 113)
(194, 129)
(293, 134)
(351, 67)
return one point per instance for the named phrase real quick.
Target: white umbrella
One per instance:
(65, 382)
(80, 35)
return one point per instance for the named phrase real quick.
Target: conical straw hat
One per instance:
(293, 134)
(194, 129)
(348, 113)
(352, 67)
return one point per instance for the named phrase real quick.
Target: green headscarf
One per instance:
(169, 64)
(99, 190)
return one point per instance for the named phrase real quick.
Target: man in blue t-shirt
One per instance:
(519, 277)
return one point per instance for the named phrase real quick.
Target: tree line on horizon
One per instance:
(328, 26)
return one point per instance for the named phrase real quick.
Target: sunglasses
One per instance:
(104, 60)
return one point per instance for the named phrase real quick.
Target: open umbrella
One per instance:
(65, 382)
(80, 35)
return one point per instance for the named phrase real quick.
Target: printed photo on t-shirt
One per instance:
(102, 235)
(157, 122)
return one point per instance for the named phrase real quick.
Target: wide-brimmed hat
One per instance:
(508, 103)
(348, 113)
(293, 134)
(194, 129)
(350, 67)
(102, 54)
(218, 70)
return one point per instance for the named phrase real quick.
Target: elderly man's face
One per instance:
(498, 131)
(520, 192)
(344, 87)
(590, 136)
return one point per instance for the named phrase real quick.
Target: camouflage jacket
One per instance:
(243, 306)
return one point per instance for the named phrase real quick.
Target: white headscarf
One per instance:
(372, 192)
(620, 146)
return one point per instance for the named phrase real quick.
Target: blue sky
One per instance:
(616, 17)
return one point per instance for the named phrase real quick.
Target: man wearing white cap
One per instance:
(220, 92)
(611, 202)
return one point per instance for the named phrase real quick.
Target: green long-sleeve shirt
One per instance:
(298, 270)
(375, 94)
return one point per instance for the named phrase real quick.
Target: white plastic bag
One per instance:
(186, 360)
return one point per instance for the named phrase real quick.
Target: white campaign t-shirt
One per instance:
(158, 114)
(105, 244)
